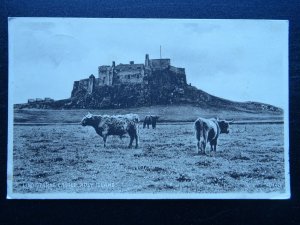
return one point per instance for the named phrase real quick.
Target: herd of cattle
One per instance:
(206, 130)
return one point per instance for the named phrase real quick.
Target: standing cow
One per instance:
(119, 125)
(150, 120)
(208, 130)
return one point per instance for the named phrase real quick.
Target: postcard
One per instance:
(148, 109)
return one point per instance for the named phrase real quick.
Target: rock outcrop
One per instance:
(133, 85)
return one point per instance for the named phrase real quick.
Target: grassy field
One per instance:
(71, 158)
(166, 113)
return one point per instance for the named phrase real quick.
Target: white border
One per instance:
(286, 119)
(10, 116)
(273, 195)
(240, 195)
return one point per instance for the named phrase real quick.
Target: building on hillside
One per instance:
(131, 73)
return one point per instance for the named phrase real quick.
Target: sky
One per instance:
(239, 60)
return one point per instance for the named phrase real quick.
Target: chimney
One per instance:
(131, 62)
(113, 63)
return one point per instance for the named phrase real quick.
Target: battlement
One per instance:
(128, 67)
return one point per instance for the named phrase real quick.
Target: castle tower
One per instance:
(112, 73)
(147, 61)
(91, 84)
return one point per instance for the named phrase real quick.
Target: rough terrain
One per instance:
(70, 158)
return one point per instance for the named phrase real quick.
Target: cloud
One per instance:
(238, 53)
(47, 46)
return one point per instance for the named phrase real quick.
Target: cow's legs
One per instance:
(198, 146)
(136, 140)
(198, 137)
(104, 140)
(204, 141)
(131, 140)
(213, 144)
(203, 146)
(104, 135)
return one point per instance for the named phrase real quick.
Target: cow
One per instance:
(150, 119)
(119, 125)
(208, 130)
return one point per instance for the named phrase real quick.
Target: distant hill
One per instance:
(128, 97)
(145, 85)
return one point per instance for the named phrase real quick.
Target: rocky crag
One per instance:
(155, 82)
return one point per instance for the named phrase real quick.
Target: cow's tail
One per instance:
(199, 129)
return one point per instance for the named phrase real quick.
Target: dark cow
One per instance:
(208, 130)
(150, 120)
(119, 125)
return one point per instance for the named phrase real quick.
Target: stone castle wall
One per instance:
(160, 64)
(177, 70)
(129, 76)
(129, 73)
(105, 75)
(132, 74)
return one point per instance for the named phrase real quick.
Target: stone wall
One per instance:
(177, 70)
(105, 74)
(79, 87)
(157, 64)
(131, 87)
(133, 75)
(91, 84)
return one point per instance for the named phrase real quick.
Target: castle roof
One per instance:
(160, 59)
(104, 67)
(129, 66)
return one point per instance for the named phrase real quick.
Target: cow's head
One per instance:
(87, 120)
(224, 126)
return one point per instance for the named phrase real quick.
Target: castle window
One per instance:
(138, 76)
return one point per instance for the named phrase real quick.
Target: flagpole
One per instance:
(160, 51)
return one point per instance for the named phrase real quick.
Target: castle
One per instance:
(128, 74)
(155, 82)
